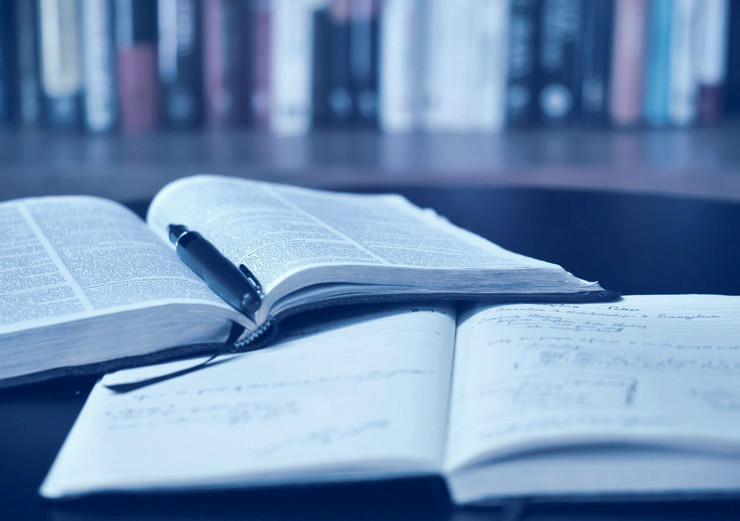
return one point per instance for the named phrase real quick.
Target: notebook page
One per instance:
(655, 370)
(354, 398)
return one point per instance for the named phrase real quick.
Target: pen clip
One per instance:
(252, 280)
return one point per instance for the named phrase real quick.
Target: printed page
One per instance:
(353, 398)
(63, 258)
(650, 370)
(276, 229)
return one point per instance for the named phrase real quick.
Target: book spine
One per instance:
(291, 39)
(261, 71)
(7, 63)
(336, 101)
(27, 86)
(712, 58)
(320, 68)
(522, 62)
(179, 61)
(224, 73)
(683, 85)
(448, 60)
(559, 53)
(61, 77)
(401, 65)
(489, 35)
(628, 70)
(99, 82)
(732, 87)
(657, 71)
(136, 71)
(363, 61)
(598, 20)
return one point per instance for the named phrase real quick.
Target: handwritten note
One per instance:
(581, 391)
(647, 369)
(347, 399)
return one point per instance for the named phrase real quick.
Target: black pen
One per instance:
(237, 286)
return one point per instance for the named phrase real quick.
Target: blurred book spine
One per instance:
(61, 75)
(136, 67)
(657, 66)
(98, 52)
(522, 62)
(338, 101)
(712, 58)
(683, 89)
(486, 81)
(320, 68)
(225, 61)
(628, 62)
(259, 87)
(363, 61)
(559, 55)
(179, 60)
(401, 71)
(447, 63)
(291, 72)
(732, 65)
(7, 63)
(598, 22)
(332, 99)
(27, 84)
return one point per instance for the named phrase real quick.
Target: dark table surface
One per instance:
(635, 244)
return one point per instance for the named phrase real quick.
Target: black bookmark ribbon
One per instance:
(234, 334)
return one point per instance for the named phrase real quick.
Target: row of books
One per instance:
(403, 65)
(485, 65)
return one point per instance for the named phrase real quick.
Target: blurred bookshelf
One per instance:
(118, 97)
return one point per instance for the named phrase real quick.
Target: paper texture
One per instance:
(343, 400)
(73, 257)
(659, 370)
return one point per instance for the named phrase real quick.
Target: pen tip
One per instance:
(176, 231)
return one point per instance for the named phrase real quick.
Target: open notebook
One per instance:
(639, 397)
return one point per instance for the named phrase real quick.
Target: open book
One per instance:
(87, 286)
(640, 397)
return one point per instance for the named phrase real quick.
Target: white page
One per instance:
(276, 230)
(357, 398)
(603, 473)
(654, 370)
(64, 258)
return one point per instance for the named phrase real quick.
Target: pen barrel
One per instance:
(216, 270)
